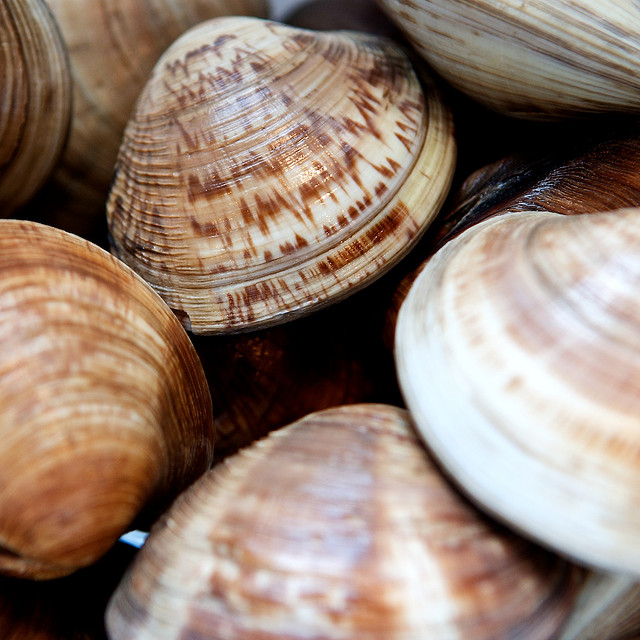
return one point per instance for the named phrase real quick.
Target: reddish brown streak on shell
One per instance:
(282, 169)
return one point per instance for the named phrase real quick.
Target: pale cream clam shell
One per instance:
(538, 58)
(269, 170)
(518, 354)
(338, 526)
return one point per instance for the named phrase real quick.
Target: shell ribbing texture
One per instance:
(337, 526)
(35, 108)
(518, 353)
(539, 58)
(105, 410)
(267, 170)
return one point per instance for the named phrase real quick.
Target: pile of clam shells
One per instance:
(340, 308)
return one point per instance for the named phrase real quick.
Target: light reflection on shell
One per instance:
(268, 170)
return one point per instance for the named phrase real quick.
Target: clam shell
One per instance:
(539, 59)
(269, 170)
(105, 412)
(112, 48)
(518, 354)
(599, 173)
(35, 107)
(337, 526)
(608, 608)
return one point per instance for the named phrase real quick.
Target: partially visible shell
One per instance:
(35, 106)
(608, 608)
(539, 59)
(518, 354)
(338, 526)
(105, 412)
(269, 170)
(597, 173)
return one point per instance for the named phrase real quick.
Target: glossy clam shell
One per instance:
(105, 412)
(69, 608)
(112, 48)
(541, 58)
(338, 526)
(518, 354)
(579, 175)
(35, 106)
(269, 170)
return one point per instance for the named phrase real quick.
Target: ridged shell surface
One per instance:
(104, 408)
(336, 527)
(538, 58)
(518, 354)
(265, 379)
(267, 170)
(35, 106)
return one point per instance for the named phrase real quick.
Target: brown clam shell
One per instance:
(268, 170)
(35, 106)
(338, 526)
(578, 175)
(105, 412)
(112, 49)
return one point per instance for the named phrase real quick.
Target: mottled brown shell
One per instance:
(35, 104)
(518, 354)
(104, 408)
(268, 170)
(599, 173)
(338, 526)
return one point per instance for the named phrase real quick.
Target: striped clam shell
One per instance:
(268, 170)
(539, 58)
(105, 412)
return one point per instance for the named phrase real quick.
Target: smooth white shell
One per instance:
(518, 353)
